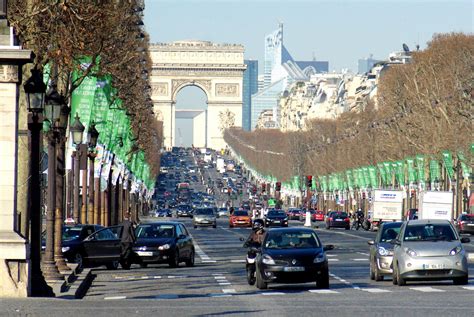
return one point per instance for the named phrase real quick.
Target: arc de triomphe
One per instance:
(215, 68)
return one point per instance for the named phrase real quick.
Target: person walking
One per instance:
(127, 240)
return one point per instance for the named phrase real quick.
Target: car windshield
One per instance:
(429, 232)
(240, 213)
(291, 240)
(467, 217)
(276, 213)
(151, 231)
(389, 232)
(71, 233)
(208, 212)
(339, 214)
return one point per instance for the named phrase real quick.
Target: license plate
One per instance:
(338, 219)
(434, 266)
(293, 269)
(144, 253)
(470, 224)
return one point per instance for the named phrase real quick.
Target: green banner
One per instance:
(382, 172)
(420, 167)
(400, 172)
(349, 180)
(411, 170)
(465, 170)
(448, 163)
(435, 173)
(365, 173)
(373, 177)
(388, 172)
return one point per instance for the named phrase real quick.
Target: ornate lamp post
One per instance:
(60, 116)
(35, 89)
(77, 129)
(53, 108)
(92, 136)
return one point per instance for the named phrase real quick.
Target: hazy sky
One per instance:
(337, 31)
(340, 32)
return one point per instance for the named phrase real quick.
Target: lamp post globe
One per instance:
(92, 136)
(77, 129)
(35, 90)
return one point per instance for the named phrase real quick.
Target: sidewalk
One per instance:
(75, 285)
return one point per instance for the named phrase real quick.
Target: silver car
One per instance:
(204, 217)
(429, 250)
(381, 250)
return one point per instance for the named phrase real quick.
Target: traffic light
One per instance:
(309, 181)
(277, 186)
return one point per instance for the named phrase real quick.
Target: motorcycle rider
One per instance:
(254, 240)
(359, 218)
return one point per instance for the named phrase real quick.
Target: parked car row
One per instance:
(157, 242)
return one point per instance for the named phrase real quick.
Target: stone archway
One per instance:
(215, 68)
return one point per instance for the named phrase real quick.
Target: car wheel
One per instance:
(348, 228)
(112, 265)
(190, 261)
(323, 281)
(400, 280)
(371, 270)
(328, 227)
(250, 276)
(195, 227)
(79, 260)
(394, 275)
(174, 262)
(143, 265)
(261, 284)
(461, 280)
(214, 226)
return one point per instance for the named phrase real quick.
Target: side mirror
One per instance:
(371, 242)
(395, 242)
(328, 247)
(181, 236)
(465, 240)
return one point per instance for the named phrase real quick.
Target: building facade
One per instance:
(250, 87)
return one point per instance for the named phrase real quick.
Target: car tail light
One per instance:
(330, 218)
(347, 220)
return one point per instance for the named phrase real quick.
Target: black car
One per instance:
(164, 242)
(338, 219)
(276, 217)
(102, 247)
(292, 255)
(164, 212)
(184, 211)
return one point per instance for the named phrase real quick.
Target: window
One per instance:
(184, 230)
(104, 234)
(429, 232)
(291, 240)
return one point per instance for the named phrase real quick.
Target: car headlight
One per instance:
(411, 253)
(164, 247)
(286, 219)
(65, 249)
(382, 251)
(455, 251)
(266, 259)
(320, 258)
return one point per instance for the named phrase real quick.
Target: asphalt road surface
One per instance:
(216, 286)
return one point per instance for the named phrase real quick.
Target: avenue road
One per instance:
(217, 286)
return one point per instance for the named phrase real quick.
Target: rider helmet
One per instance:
(258, 224)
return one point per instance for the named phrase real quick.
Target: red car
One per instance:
(316, 215)
(240, 218)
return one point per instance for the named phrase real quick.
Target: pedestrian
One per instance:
(127, 241)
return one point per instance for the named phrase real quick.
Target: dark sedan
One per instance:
(338, 219)
(276, 217)
(465, 223)
(292, 255)
(184, 211)
(294, 213)
(164, 242)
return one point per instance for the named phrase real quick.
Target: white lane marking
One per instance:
(157, 277)
(427, 289)
(224, 283)
(229, 290)
(340, 279)
(360, 259)
(115, 297)
(375, 290)
(220, 295)
(220, 277)
(237, 261)
(363, 253)
(217, 274)
(323, 291)
(331, 255)
(345, 234)
(469, 288)
(204, 257)
(208, 261)
(333, 260)
(272, 293)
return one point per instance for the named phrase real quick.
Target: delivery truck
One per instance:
(386, 205)
(435, 205)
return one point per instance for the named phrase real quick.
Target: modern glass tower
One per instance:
(250, 87)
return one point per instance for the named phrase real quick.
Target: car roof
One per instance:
(174, 223)
(290, 229)
(427, 221)
(393, 224)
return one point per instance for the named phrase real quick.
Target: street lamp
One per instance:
(77, 129)
(92, 136)
(35, 89)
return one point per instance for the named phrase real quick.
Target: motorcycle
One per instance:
(250, 264)
(363, 223)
